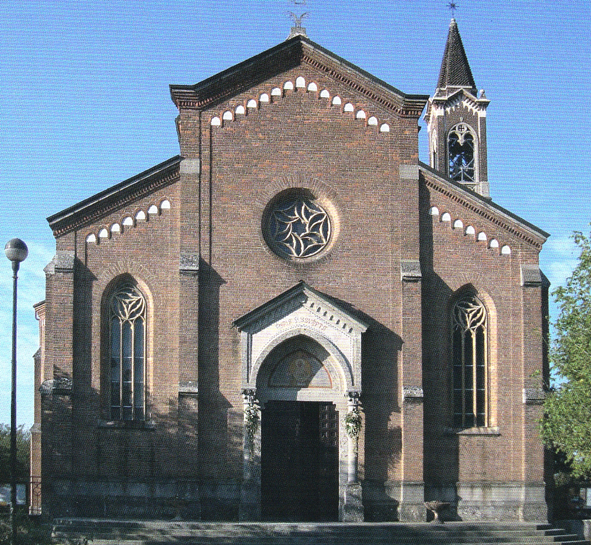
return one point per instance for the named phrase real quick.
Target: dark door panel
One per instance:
(299, 479)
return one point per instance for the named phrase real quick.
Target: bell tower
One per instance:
(456, 120)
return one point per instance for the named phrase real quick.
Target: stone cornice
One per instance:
(292, 53)
(440, 101)
(106, 202)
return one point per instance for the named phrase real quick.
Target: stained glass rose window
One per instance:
(299, 227)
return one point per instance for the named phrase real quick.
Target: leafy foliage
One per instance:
(29, 532)
(566, 426)
(23, 440)
(353, 423)
(251, 417)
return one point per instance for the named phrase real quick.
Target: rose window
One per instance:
(299, 228)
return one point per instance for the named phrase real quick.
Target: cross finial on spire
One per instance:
(453, 6)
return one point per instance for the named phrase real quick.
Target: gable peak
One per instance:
(297, 29)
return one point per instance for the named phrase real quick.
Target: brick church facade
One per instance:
(295, 318)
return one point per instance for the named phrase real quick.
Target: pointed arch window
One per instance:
(460, 151)
(470, 366)
(127, 342)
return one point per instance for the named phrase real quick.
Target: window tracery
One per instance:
(127, 321)
(299, 227)
(469, 349)
(460, 147)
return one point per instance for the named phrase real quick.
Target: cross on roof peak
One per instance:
(453, 6)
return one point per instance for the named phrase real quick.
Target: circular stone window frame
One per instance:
(303, 192)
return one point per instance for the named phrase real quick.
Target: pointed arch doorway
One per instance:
(301, 375)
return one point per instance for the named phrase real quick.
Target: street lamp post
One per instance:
(16, 251)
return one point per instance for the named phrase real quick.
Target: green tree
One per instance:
(566, 426)
(23, 440)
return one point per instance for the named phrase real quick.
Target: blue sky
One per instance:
(84, 104)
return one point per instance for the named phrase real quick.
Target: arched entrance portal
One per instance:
(301, 376)
(299, 433)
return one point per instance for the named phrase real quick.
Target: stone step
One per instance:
(301, 541)
(80, 540)
(287, 527)
(328, 537)
(135, 532)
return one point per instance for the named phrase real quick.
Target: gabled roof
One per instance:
(289, 54)
(298, 295)
(484, 207)
(115, 197)
(455, 69)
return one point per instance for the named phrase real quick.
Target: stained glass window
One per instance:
(469, 340)
(127, 319)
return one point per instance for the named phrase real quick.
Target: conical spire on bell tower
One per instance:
(456, 119)
(455, 70)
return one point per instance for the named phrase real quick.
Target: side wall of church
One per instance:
(90, 460)
(493, 466)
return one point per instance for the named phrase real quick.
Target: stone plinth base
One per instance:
(116, 499)
(580, 527)
(394, 501)
(352, 508)
(502, 501)
(250, 501)
(412, 507)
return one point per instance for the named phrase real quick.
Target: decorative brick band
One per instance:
(406, 107)
(101, 205)
(478, 210)
(279, 93)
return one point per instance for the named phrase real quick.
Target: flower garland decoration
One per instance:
(251, 423)
(353, 423)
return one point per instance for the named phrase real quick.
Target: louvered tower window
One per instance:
(460, 148)
(469, 346)
(127, 321)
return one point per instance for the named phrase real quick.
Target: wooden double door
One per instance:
(299, 461)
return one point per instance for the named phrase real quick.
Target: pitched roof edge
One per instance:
(108, 200)
(214, 89)
(180, 93)
(481, 205)
(367, 75)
